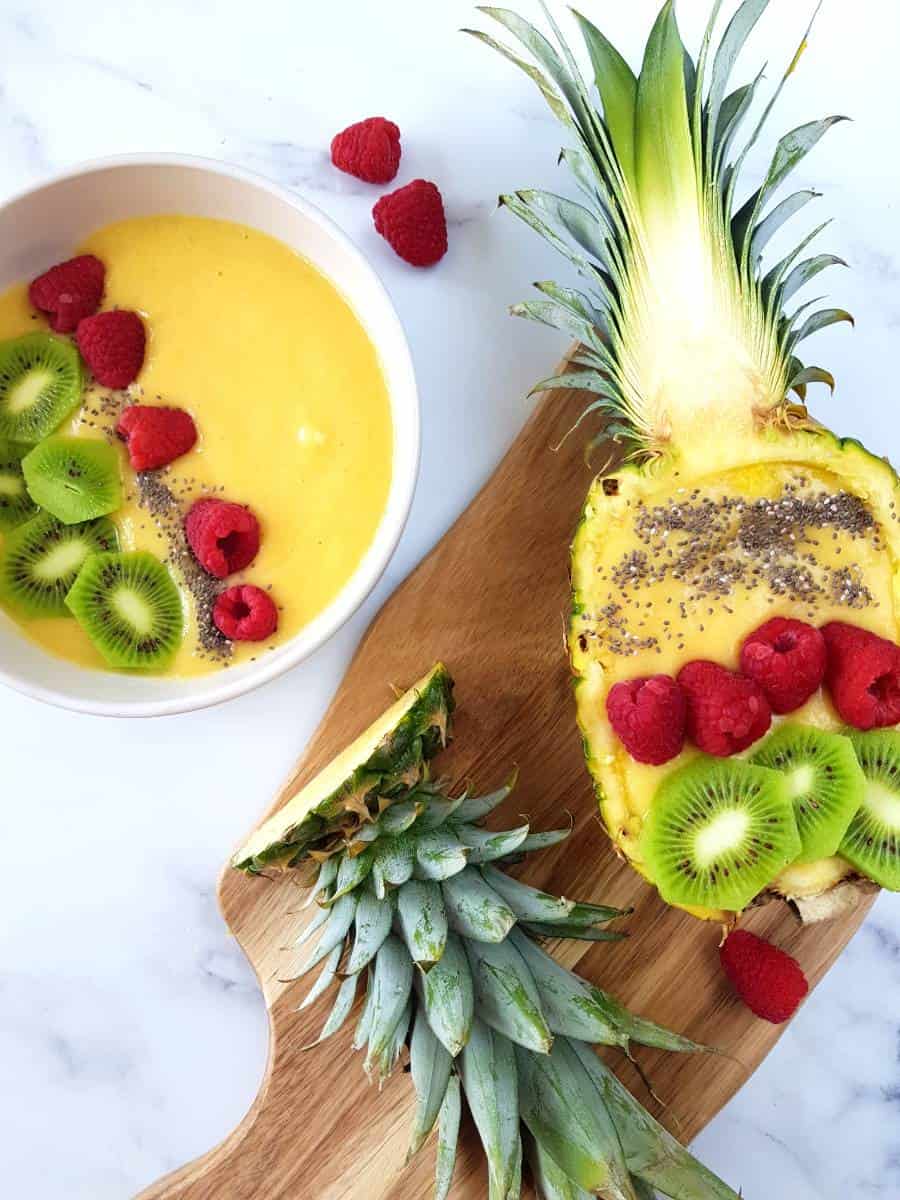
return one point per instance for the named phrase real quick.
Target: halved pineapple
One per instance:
(386, 759)
(722, 503)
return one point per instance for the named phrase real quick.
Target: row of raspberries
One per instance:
(410, 219)
(782, 664)
(223, 536)
(113, 343)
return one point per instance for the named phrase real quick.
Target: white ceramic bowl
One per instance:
(41, 227)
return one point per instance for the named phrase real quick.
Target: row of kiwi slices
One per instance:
(721, 830)
(61, 555)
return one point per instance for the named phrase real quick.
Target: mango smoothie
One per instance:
(290, 405)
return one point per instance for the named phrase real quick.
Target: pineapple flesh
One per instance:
(722, 502)
(416, 915)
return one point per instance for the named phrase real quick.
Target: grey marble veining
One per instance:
(132, 1036)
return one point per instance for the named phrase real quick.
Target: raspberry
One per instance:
(648, 715)
(370, 150)
(412, 221)
(726, 712)
(156, 436)
(245, 614)
(69, 291)
(112, 344)
(863, 676)
(769, 981)
(223, 536)
(787, 660)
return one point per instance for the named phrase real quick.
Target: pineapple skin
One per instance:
(860, 471)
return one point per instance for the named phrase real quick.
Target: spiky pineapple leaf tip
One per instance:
(417, 902)
(674, 270)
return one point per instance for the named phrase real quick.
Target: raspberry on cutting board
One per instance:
(768, 980)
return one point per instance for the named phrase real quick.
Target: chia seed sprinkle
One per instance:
(711, 546)
(160, 502)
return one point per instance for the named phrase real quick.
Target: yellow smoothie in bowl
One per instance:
(291, 409)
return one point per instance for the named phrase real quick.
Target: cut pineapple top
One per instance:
(390, 754)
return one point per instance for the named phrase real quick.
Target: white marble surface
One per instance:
(132, 1036)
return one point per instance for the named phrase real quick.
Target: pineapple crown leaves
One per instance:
(419, 906)
(658, 229)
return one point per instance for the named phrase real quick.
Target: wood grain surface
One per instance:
(490, 601)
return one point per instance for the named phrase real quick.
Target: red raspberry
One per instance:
(648, 716)
(370, 150)
(726, 712)
(769, 981)
(69, 291)
(863, 675)
(112, 344)
(245, 614)
(787, 660)
(412, 221)
(223, 536)
(156, 436)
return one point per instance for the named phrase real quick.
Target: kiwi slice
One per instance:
(74, 478)
(872, 843)
(41, 560)
(719, 830)
(16, 505)
(130, 608)
(41, 380)
(824, 780)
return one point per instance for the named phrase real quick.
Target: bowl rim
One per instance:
(400, 495)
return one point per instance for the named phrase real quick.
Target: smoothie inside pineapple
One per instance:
(288, 396)
(686, 572)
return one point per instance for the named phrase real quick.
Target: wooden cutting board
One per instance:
(489, 600)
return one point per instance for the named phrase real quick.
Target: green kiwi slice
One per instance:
(825, 782)
(16, 505)
(41, 381)
(719, 830)
(74, 478)
(130, 608)
(41, 560)
(872, 843)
